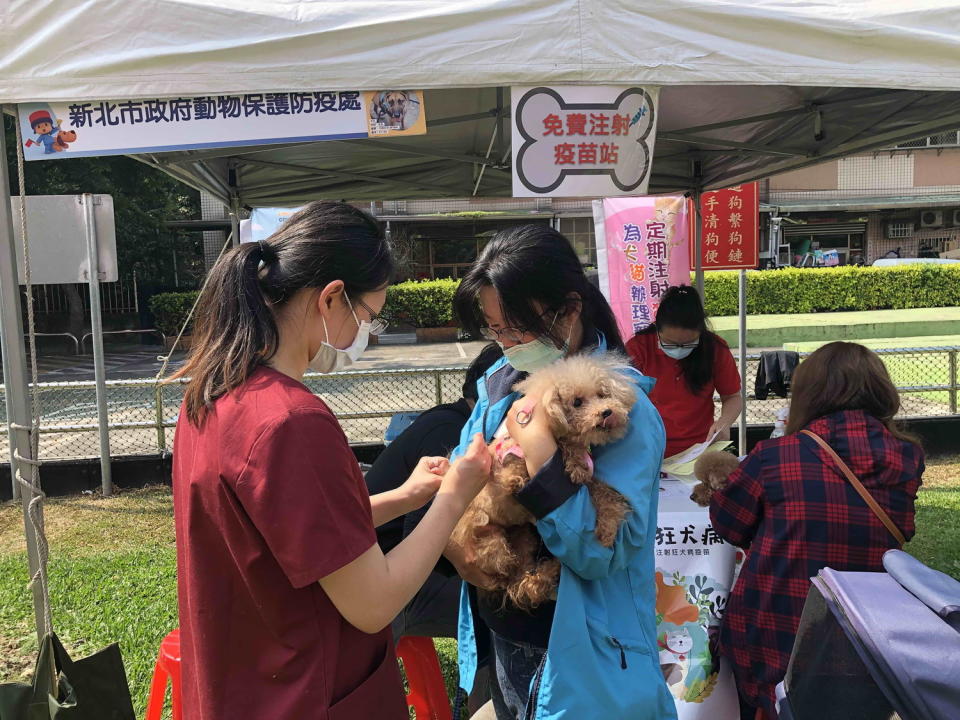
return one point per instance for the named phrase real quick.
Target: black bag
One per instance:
(93, 688)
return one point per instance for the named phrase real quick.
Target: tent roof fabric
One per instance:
(117, 49)
(709, 136)
(750, 88)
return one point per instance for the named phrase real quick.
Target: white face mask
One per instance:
(330, 358)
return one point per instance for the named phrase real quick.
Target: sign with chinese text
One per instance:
(574, 141)
(695, 572)
(57, 130)
(730, 225)
(642, 249)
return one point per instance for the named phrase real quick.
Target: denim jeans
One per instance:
(513, 670)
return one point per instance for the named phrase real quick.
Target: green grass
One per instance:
(113, 574)
(922, 369)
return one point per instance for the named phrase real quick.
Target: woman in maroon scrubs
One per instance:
(285, 597)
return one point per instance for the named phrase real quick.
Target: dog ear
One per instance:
(621, 389)
(553, 405)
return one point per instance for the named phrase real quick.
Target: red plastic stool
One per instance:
(167, 668)
(428, 693)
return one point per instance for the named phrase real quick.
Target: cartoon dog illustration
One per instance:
(675, 659)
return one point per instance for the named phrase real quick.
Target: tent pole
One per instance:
(234, 207)
(742, 352)
(96, 327)
(15, 372)
(698, 243)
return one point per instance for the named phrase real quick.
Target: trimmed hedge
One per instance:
(429, 303)
(423, 304)
(171, 310)
(808, 290)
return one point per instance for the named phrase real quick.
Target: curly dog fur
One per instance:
(587, 400)
(712, 470)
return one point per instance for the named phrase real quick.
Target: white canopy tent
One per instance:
(749, 88)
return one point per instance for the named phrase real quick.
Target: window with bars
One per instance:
(580, 232)
(897, 230)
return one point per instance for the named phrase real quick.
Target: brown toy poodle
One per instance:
(712, 470)
(587, 400)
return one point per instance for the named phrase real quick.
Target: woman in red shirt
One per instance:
(794, 510)
(285, 597)
(689, 363)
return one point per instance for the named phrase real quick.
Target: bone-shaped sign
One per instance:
(561, 139)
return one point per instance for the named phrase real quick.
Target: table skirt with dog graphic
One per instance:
(695, 573)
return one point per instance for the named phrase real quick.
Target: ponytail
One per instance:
(236, 328)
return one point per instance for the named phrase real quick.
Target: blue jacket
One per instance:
(602, 657)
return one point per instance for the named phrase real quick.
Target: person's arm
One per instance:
(416, 492)
(371, 590)
(566, 517)
(730, 408)
(737, 509)
(726, 379)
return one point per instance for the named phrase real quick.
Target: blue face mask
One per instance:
(532, 356)
(678, 352)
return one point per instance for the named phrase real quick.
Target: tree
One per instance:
(143, 198)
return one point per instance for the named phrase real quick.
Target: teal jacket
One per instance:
(602, 658)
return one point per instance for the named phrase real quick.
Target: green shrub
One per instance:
(171, 310)
(423, 304)
(806, 290)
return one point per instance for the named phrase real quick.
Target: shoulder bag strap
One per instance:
(858, 486)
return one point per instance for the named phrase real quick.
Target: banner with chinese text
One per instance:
(695, 573)
(576, 141)
(56, 130)
(730, 221)
(642, 249)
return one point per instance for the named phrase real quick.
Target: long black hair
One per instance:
(680, 306)
(236, 329)
(535, 263)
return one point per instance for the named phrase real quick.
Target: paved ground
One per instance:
(140, 361)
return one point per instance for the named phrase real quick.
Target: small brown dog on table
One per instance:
(587, 400)
(712, 470)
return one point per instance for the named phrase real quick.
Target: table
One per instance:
(695, 573)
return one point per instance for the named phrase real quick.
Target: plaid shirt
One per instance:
(789, 504)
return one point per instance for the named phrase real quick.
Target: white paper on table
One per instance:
(675, 489)
(692, 453)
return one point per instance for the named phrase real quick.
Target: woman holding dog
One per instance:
(285, 597)
(593, 652)
(792, 505)
(689, 363)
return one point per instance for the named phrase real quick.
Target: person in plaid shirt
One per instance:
(789, 505)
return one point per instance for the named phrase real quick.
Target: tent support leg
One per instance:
(15, 373)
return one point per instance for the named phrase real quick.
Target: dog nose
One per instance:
(607, 413)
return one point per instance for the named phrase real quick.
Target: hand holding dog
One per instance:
(529, 426)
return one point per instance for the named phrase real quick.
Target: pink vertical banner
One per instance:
(646, 243)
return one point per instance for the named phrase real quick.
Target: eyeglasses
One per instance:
(674, 346)
(509, 334)
(512, 335)
(378, 323)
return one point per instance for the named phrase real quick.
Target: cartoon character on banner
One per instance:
(667, 210)
(48, 133)
(688, 631)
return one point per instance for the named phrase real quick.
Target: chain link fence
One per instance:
(143, 414)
